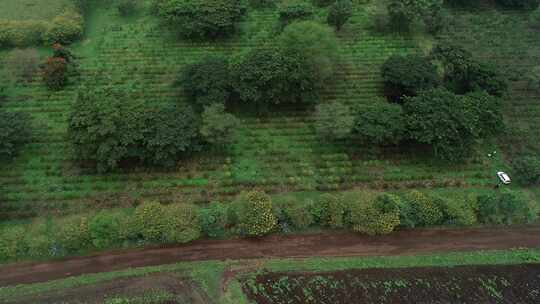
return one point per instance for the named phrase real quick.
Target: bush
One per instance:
(485, 77)
(21, 33)
(218, 127)
(294, 10)
(457, 212)
(21, 65)
(505, 208)
(298, 215)
(65, 28)
(527, 169)
(73, 233)
(420, 210)
(333, 211)
(255, 214)
(182, 223)
(378, 217)
(207, 81)
(14, 132)
(450, 123)
(333, 121)
(408, 75)
(107, 127)
(126, 7)
(105, 229)
(520, 4)
(12, 245)
(380, 123)
(202, 18)
(151, 220)
(55, 73)
(339, 13)
(214, 220)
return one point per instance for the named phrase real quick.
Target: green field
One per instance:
(208, 285)
(279, 153)
(26, 10)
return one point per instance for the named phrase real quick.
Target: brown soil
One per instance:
(465, 284)
(325, 244)
(186, 291)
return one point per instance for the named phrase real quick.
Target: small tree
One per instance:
(207, 81)
(332, 211)
(218, 127)
(380, 123)
(104, 228)
(299, 215)
(423, 211)
(55, 73)
(255, 213)
(202, 18)
(339, 13)
(73, 234)
(408, 75)
(333, 121)
(14, 132)
(182, 223)
(459, 212)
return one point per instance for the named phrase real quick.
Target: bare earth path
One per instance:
(325, 244)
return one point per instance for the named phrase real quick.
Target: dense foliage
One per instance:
(380, 123)
(523, 4)
(378, 217)
(294, 10)
(504, 208)
(404, 14)
(218, 127)
(107, 127)
(527, 169)
(202, 18)
(207, 81)
(14, 132)
(339, 13)
(255, 214)
(55, 73)
(333, 120)
(407, 75)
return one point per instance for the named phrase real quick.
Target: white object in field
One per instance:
(505, 179)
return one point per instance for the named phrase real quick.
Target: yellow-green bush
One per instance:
(64, 28)
(255, 213)
(182, 223)
(72, 233)
(151, 221)
(423, 211)
(376, 217)
(12, 243)
(21, 33)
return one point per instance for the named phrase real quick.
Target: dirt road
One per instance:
(326, 244)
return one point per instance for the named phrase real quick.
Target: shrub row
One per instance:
(254, 214)
(64, 28)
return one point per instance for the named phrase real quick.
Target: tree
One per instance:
(527, 169)
(380, 123)
(407, 75)
(107, 127)
(14, 132)
(443, 120)
(208, 81)
(218, 127)
(333, 121)
(376, 217)
(255, 213)
(294, 10)
(151, 220)
(405, 13)
(202, 18)
(55, 73)
(520, 4)
(339, 13)
(463, 74)
(182, 223)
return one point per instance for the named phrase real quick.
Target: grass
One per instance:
(208, 274)
(24, 10)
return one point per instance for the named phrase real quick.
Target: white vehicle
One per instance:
(505, 179)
